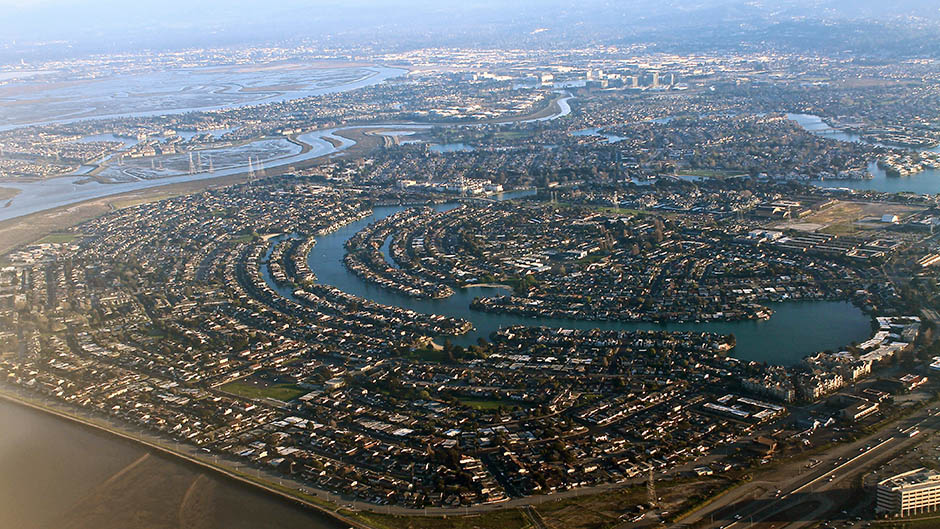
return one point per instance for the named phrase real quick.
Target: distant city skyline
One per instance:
(508, 264)
(49, 28)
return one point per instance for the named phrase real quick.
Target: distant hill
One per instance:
(876, 27)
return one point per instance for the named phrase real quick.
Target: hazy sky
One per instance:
(118, 25)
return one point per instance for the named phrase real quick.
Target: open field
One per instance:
(610, 509)
(708, 173)
(848, 211)
(130, 202)
(259, 390)
(489, 404)
(57, 238)
(846, 217)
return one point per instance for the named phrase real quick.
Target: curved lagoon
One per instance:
(795, 330)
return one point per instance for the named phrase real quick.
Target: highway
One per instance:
(748, 504)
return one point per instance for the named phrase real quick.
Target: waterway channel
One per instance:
(795, 330)
(62, 191)
(65, 190)
(923, 183)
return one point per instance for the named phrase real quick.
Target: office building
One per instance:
(914, 492)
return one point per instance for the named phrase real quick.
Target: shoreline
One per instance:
(362, 142)
(218, 469)
(282, 491)
(8, 193)
(312, 89)
(26, 229)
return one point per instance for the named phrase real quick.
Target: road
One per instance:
(840, 466)
(750, 503)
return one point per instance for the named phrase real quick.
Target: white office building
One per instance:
(910, 493)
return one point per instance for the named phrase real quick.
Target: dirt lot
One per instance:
(605, 510)
(613, 508)
(845, 217)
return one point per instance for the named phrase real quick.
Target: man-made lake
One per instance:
(795, 330)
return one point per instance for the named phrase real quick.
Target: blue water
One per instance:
(598, 131)
(923, 183)
(795, 330)
(452, 147)
(184, 90)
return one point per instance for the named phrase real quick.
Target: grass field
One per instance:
(57, 238)
(708, 173)
(489, 404)
(241, 239)
(123, 203)
(282, 392)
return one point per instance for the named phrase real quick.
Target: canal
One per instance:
(796, 329)
(924, 183)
